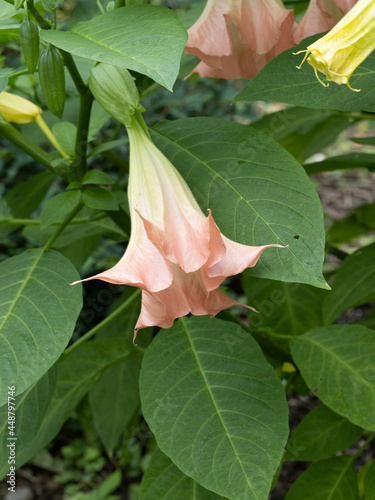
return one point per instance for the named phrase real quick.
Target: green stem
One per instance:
(36, 222)
(149, 90)
(9, 132)
(43, 23)
(47, 132)
(80, 156)
(74, 73)
(61, 228)
(364, 446)
(20, 73)
(102, 324)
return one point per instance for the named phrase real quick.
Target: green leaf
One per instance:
(51, 5)
(116, 394)
(76, 232)
(25, 197)
(6, 10)
(100, 198)
(65, 133)
(343, 162)
(215, 406)
(96, 177)
(303, 132)
(30, 406)
(289, 308)
(258, 193)
(345, 230)
(370, 482)
(320, 435)
(154, 48)
(4, 75)
(5, 211)
(333, 479)
(337, 363)
(38, 314)
(59, 207)
(281, 81)
(353, 284)
(9, 33)
(163, 479)
(76, 374)
(107, 146)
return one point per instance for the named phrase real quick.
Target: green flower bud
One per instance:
(29, 38)
(115, 91)
(52, 80)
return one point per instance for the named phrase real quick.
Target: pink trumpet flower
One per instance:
(236, 38)
(321, 15)
(176, 254)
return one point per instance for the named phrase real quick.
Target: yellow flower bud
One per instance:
(341, 50)
(17, 109)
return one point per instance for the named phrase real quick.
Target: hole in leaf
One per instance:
(296, 237)
(241, 162)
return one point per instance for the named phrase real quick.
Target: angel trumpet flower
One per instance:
(341, 50)
(16, 109)
(321, 15)
(176, 254)
(236, 38)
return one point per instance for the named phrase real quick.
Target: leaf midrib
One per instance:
(186, 330)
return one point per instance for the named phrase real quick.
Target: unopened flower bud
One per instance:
(115, 91)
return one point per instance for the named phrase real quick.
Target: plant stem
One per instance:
(364, 446)
(11, 133)
(36, 222)
(154, 86)
(73, 71)
(80, 156)
(61, 228)
(43, 23)
(102, 324)
(47, 132)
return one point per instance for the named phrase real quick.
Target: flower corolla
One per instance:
(176, 254)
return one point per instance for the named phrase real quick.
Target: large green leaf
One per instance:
(163, 479)
(338, 364)
(333, 479)
(289, 308)
(320, 435)
(75, 376)
(281, 81)
(215, 406)
(145, 38)
(258, 193)
(353, 284)
(37, 316)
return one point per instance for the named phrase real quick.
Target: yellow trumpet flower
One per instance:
(341, 50)
(17, 109)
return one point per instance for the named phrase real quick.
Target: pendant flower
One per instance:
(339, 52)
(17, 109)
(321, 15)
(236, 38)
(176, 254)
